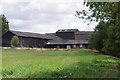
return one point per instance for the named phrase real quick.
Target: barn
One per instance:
(63, 38)
(26, 39)
(70, 38)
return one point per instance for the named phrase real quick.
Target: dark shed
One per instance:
(26, 39)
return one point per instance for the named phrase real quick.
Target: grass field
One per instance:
(58, 64)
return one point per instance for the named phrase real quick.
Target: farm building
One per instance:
(63, 38)
(70, 38)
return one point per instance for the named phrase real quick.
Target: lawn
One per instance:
(58, 64)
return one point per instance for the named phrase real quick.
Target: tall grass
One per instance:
(58, 64)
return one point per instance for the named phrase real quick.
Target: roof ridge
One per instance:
(24, 32)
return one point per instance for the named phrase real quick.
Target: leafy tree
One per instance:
(111, 44)
(97, 38)
(14, 41)
(4, 27)
(106, 37)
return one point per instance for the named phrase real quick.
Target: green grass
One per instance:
(58, 64)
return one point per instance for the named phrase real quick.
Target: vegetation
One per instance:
(58, 64)
(106, 37)
(4, 27)
(15, 41)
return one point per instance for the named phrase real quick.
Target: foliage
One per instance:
(14, 41)
(58, 64)
(4, 27)
(111, 47)
(98, 37)
(108, 15)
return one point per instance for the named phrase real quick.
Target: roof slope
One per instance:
(34, 35)
(54, 37)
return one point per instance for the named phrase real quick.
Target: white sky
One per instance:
(44, 16)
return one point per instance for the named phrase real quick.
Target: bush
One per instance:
(14, 41)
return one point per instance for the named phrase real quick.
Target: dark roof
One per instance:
(50, 33)
(52, 42)
(68, 30)
(54, 37)
(33, 35)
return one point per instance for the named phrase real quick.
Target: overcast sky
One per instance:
(44, 16)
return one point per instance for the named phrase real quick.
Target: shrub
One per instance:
(14, 41)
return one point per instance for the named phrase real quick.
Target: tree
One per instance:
(111, 44)
(4, 27)
(108, 15)
(14, 41)
(97, 38)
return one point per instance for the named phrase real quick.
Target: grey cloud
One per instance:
(51, 11)
(21, 26)
(46, 14)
